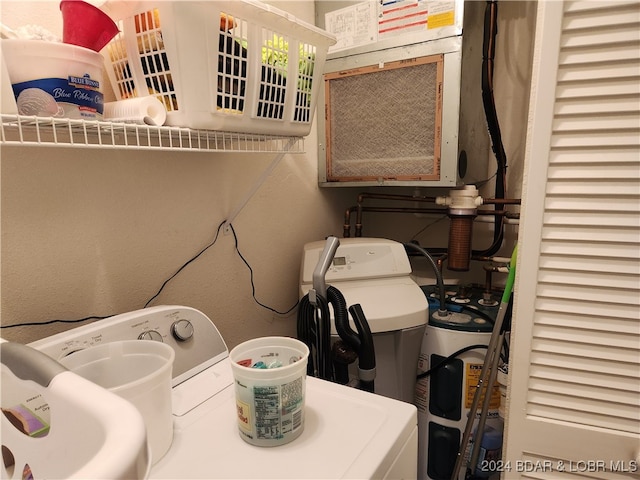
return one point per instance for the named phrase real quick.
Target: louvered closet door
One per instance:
(574, 396)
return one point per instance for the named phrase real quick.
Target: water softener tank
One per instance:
(445, 395)
(376, 273)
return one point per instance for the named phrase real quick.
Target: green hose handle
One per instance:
(508, 288)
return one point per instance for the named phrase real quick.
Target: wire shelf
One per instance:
(64, 132)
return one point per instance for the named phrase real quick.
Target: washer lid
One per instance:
(348, 433)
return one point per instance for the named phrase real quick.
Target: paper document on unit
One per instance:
(353, 26)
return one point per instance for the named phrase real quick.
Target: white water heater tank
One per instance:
(453, 351)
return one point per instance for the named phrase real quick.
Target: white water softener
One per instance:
(375, 273)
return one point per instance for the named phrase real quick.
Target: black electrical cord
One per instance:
(145, 305)
(215, 239)
(253, 286)
(244, 260)
(449, 359)
(192, 259)
(49, 322)
(436, 271)
(504, 346)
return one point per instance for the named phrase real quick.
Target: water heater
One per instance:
(452, 351)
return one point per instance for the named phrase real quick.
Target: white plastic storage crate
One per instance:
(238, 66)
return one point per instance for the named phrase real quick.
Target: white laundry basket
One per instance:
(239, 66)
(83, 431)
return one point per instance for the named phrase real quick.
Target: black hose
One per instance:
(343, 328)
(366, 354)
(361, 341)
(313, 329)
(488, 55)
(443, 293)
(342, 356)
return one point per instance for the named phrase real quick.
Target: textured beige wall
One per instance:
(96, 232)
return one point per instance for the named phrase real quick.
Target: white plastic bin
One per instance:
(270, 399)
(52, 79)
(238, 66)
(139, 371)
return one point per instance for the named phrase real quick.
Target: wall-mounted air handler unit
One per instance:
(402, 94)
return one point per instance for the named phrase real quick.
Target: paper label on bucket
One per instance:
(72, 97)
(244, 415)
(277, 410)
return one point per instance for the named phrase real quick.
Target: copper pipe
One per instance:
(435, 210)
(410, 198)
(503, 260)
(395, 210)
(346, 228)
(389, 196)
(360, 209)
(487, 299)
(487, 279)
(384, 196)
(501, 201)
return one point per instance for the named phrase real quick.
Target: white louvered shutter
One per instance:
(574, 394)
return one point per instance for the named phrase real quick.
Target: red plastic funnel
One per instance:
(86, 25)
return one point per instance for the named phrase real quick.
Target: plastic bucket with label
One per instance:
(52, 79)
(140, 371)
(270, 382)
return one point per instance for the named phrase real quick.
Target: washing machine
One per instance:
(453, 352)
(376, 274)
(347, 433)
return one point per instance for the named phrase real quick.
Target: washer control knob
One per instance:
(182, 330)
(150, 335)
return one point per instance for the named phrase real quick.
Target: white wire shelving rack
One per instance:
(63, 132)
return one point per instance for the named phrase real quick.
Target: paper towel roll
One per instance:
(143, 110)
